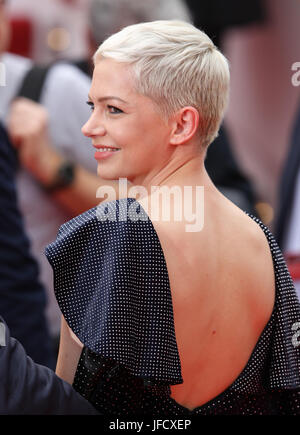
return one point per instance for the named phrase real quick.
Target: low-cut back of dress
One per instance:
(112, 286)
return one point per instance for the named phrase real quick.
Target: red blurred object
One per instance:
(293, 263)
(21, 36)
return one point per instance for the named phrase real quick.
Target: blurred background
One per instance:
(261, 44)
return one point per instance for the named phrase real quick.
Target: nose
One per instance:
(93, 127)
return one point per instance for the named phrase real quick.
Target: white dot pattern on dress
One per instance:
(107, 276)
(112, 285)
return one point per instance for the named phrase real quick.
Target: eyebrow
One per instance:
(109, 97)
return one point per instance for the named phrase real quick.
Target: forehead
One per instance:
(112, 77)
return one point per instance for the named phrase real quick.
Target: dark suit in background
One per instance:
(25, 387)
(216, 16)
(288, 184)
(22, 297)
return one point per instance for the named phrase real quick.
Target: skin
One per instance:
(28, 130)
(222, 283)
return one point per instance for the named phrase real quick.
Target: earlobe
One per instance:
(186, 122)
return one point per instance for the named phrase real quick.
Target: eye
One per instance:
(114, 110)
(89, 103)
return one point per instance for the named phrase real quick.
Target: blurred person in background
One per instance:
(58, 177)
(22, 297)
(214, 17)
(27, 385)
(48, 30)
(107, 17)
(287, 228)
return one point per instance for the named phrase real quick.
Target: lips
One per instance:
(101, 148)
(103, 152)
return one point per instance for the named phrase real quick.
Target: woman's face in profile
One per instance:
(130, 138)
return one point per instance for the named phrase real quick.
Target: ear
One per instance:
(184, 125)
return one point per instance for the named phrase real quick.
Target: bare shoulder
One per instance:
(258, 265)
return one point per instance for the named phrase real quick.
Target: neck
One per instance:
(176, 194)
(177, 172)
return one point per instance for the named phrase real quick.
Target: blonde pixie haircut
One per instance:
(176, 65)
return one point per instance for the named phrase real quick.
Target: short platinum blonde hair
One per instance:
(176, 65)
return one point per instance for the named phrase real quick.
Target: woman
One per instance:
(160, 316)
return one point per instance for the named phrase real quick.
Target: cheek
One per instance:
(129, 136)
(141, 134)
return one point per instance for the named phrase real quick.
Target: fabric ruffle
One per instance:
(112, 286)
(283, 365)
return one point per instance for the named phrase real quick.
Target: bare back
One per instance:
(222, 284)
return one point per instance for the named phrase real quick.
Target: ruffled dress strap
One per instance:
(112, 286)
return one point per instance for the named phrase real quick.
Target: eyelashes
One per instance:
(111, 109)
(114, 110)
(89, 103)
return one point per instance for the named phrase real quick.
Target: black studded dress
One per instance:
(112, 286)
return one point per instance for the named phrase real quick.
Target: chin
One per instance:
(110, 175)
(105, 174)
